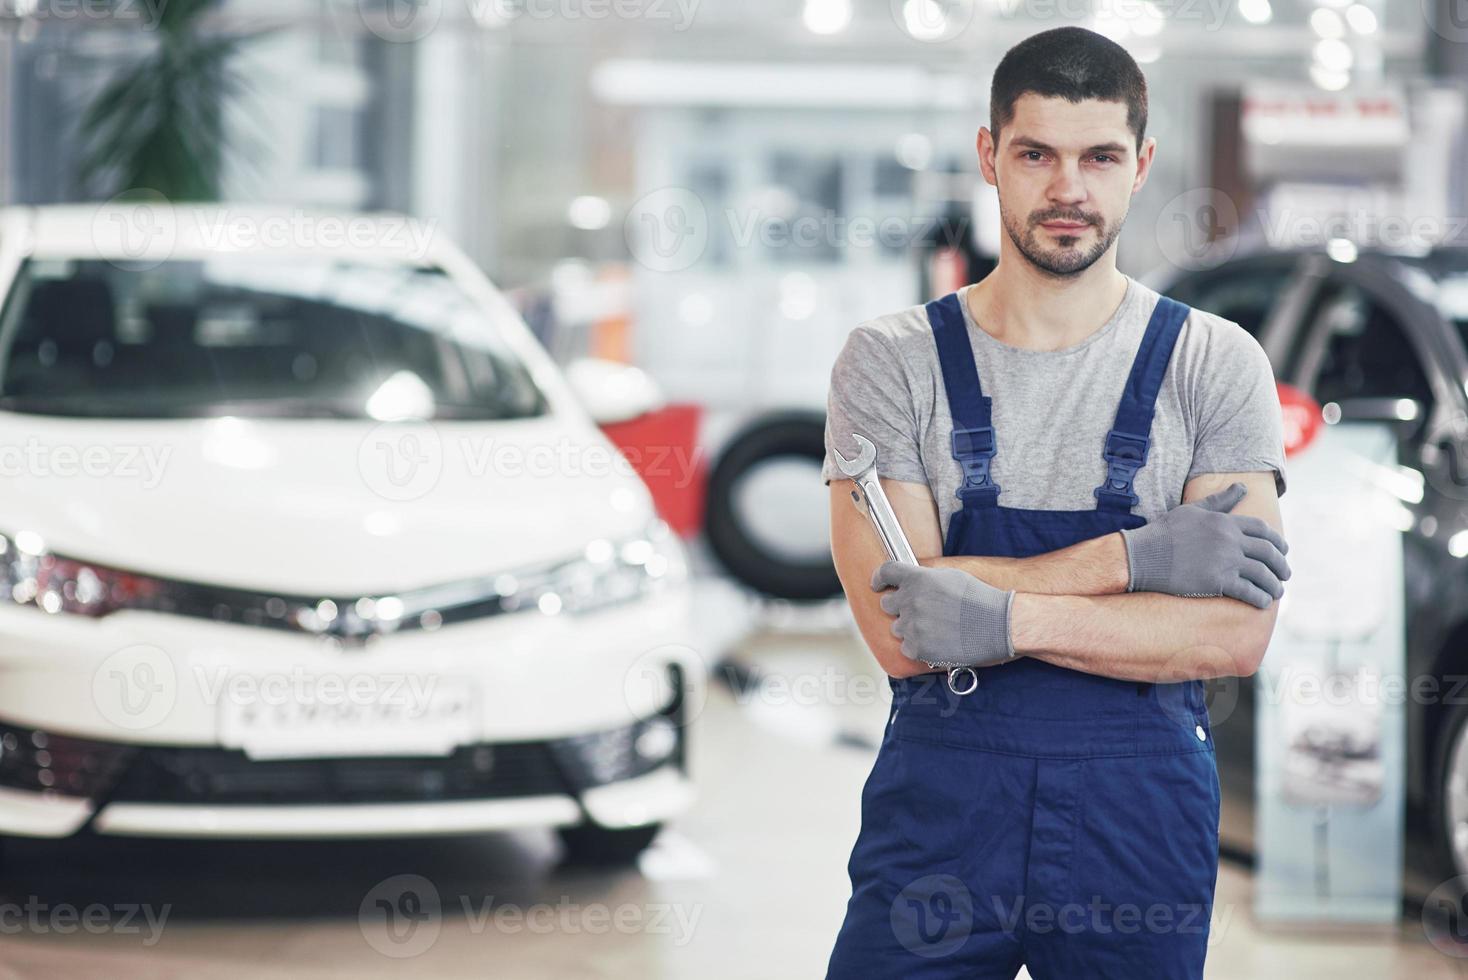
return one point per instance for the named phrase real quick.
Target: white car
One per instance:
(303, 534)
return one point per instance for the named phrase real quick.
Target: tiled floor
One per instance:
(751, 884)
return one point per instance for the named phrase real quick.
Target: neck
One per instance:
(1024, 307)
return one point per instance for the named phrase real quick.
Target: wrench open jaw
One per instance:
(870, 497)
(866, 457)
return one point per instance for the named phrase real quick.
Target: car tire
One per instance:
(589, 844)
(1451, 755)
(784, 434)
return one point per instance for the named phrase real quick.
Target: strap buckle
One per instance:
(974, 448)
(1124, 455)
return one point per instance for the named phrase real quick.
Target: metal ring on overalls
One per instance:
(971, 688)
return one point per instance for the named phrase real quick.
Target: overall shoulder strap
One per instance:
(973, 426)
(1130, 436)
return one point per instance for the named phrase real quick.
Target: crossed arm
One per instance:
(1071, 607)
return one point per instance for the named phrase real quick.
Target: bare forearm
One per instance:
(1094, 567)
(1143, 636)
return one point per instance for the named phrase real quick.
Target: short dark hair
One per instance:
(1070, 63)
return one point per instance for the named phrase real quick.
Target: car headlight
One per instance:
(605, 573)
(31, 575)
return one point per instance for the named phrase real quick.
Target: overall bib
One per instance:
(1052, 818)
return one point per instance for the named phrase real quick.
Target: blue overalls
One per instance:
(1052, 818)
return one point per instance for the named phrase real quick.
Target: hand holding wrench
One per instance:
(869, 496)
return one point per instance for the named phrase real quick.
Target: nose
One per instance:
(1067, 187)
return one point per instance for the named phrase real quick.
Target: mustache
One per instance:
(1078, 218)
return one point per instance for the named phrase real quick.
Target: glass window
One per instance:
(811, 229)
(250, 335)
(1366, 353)
(338, 143)
(1243, 294)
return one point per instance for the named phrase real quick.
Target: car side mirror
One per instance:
(611, 391)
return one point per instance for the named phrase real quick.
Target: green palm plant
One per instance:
(158, 125)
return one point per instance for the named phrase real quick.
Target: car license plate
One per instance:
(431, 723)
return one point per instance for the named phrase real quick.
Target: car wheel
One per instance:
(1450, 787)
(589, 844)
(764, 522)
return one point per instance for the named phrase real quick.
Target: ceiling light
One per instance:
(1327, 23)
(1333, 55)
(1361, 18)
(1256, 11)
(827, 16)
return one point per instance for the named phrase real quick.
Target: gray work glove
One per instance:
(945, 615)
(1199, 549)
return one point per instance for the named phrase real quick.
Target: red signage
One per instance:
(1302, 418)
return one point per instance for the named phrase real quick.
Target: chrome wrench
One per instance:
(871, 499)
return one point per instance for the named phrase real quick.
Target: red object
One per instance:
(1302, 418)
(663, 447)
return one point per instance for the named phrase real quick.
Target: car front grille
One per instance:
(226, 776)
(110, 772)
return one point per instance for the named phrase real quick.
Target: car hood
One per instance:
(315, 506)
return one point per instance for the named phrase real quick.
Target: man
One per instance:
(1089, 474)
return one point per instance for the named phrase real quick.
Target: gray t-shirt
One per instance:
(1217, 411)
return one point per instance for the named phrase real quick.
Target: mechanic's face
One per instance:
(1066, 173)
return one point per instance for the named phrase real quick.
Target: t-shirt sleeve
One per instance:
(1239, 426)
(870, 395)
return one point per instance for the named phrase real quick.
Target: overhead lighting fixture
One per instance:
(1331, 81)
(1333, 55)
(827, 16)
(1256, 11)
(589, 213)
(1327, 23)
(1361, 18)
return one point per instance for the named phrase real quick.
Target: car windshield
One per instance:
(298, 337)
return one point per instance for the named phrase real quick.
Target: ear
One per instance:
(1144, 162)
(985, 144)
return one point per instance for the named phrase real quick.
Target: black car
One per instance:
(1374, 335)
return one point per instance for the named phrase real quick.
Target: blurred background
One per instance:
(671, 213)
